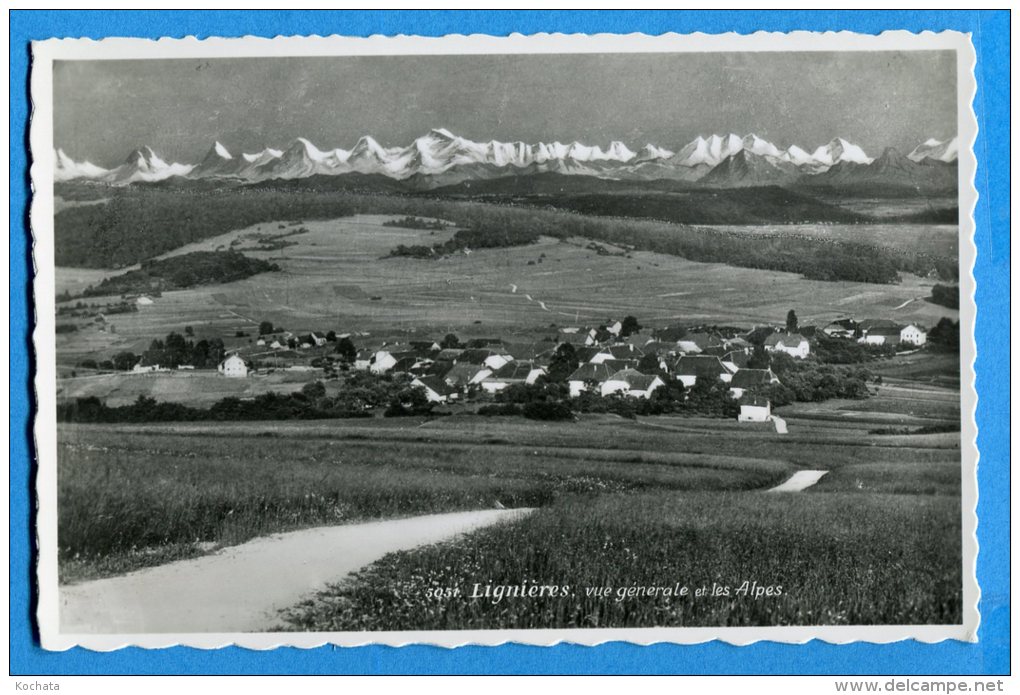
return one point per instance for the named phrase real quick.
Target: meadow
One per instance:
(335, 276)
(825, 558)
(131, 496)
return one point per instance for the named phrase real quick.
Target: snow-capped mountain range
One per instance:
(448, 158)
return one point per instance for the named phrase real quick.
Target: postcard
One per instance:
(475, 340)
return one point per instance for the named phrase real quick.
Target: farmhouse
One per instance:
(793, 344)
(465, 373)
(233, 366)
(748, 379)
(883, 335)
(436, 390)
(381, 362)
(516, 372)
(754, 409)
(584, 375)
(913, 335)
(493, 359)
(690, 368)
(632, 383)
(841, 328)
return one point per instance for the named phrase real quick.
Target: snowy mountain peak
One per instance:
(67, 169)
(146, 159)
(941, 150)
(221, 151)
(443, 133)
(620, 152)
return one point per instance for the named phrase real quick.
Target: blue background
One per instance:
(990, 655)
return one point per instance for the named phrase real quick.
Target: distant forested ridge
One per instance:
(100, 235)
(180, 272)
(139, 223)
(764, 205)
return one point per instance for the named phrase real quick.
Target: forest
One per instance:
(180, 272)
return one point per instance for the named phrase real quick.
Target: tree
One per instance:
(563, 363)
(451, 341)
(313, 390)
(189, 331)
(760, 359)
(265, 327)
(345, 348)
(123, 361)
(630, 326)
(331, 337)
(945, 335)
(791, 321)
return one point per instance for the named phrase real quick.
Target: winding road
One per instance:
(242, 588)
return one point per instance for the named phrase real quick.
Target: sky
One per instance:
(105, 109)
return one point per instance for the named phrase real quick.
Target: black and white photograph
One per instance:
(469, 340)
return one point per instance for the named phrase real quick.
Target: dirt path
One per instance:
(243, 587)
(801, 480)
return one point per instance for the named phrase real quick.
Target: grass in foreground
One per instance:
(130, 499)
(839, 558)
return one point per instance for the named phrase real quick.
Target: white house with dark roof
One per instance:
(754, 409)
(436, 390)
(233, 366)
(913, 334)
(585, 374)
(749, 379)
(632, 383)
(793, 344)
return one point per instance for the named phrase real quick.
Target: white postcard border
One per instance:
(44, 53)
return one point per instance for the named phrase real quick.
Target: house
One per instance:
(260, 342)
(703, 341)
(868, 325)
(749, 379)
(626, 352)
(516, 372)
(841, 328)
(690, 368)
(233, 366)
(362, 359)
(449, 354)
(659, 347)
(631, 383)
(436, 390)
(493, 359)
(754, 409)
(737, 359)
(882, 335)
(381, 362)
(424, 348)
(585, 374)
(317, 340)
(737, 344)
(913, 334)
(600, 355)
(464, 374)
(405, 362)
(615, 328)
(145, 368)
(793, 344)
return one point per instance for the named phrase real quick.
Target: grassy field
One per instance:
(201, 388)
(130, 496)
(333, 278)
(937, 240)
(824, 559)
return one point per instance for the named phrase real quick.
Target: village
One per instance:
(618, 359)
